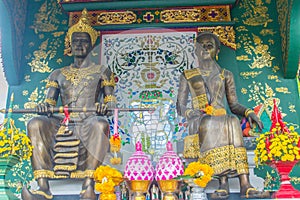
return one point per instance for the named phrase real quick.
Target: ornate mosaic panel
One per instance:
(147, 68)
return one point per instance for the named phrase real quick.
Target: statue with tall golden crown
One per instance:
(75, 144)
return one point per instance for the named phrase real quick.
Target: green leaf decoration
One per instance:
(270, 175)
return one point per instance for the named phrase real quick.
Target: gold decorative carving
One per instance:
(216, 157)
(50, 174)
(68, 143)
(25, 92)
(244, 91)
(52, 84)
(197, 14)
(45, 20)
(256, 13)
(274, 77)
(46, 174)
(83, 174)
(191, 146)
(42, 193)
(292, 108)
(243, 58)
(110, 98)
(226, 34)
(65, 167)
(50, 101)
(148, 17)
(191, 73)
(39, 61)
(27, 78)
(33, 99)
(266, 32)
(262, 56)
(111, 82)
(120, 17)
(75, 75)
(251, 74)
(283, 90)
(199, 101)
(262, 93)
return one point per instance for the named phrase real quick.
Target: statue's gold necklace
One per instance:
(76, 75)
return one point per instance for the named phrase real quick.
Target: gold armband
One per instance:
(248, 111)
(52, 84)
(110, 82)
(187, 112)
(110, 98)
(52, 102)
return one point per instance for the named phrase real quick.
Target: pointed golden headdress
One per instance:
(82, 25)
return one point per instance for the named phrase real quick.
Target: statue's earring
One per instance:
(217, 57)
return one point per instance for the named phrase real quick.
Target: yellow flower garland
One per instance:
(202, 173)
(115, 142)
(277, 145)
(106, 179)
(14, 141)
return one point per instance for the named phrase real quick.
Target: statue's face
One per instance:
(81, 44)
(206, 48)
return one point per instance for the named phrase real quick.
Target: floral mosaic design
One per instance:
(147, 67)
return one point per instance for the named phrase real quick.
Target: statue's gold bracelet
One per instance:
(187, 112)
(248, 111)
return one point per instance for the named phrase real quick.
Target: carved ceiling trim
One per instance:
(226, 34)
(137, 16)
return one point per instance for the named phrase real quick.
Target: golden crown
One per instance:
(83, 26)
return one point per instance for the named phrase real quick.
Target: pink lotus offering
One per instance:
(139, 166)
(169, 166)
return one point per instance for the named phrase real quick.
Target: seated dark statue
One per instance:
(75, 148)
(212, 90)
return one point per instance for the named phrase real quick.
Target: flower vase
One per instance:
(197, 192)
(5, 165)
(286, 190)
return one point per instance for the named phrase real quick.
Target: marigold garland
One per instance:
(115, 146)
(115, 142)
(201, 173)
(106, 179)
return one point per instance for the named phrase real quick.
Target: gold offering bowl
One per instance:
(169, 187)
(139, 187)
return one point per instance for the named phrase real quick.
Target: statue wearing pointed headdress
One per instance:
(74, 145)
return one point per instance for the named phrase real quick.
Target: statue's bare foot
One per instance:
(253, 193)
(220, 194)
(88, 194)
(36, 194)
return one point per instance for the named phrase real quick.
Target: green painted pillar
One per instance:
(5, 165)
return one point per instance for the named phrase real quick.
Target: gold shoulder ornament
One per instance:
(52, 84)
(110, 98)
(190, 73)
(110, 82)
